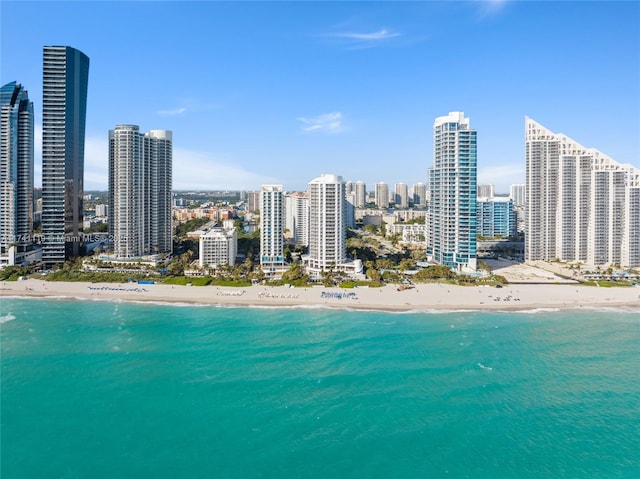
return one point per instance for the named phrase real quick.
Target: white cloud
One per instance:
(354, 40)
(382, 34)
(174, 112)
(195, 170)
(501, 176)
(192, 170)
(328, 122)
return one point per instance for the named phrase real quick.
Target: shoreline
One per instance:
(421, 298)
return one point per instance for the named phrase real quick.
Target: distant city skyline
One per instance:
(281, 92)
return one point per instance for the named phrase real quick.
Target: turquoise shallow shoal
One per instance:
(117, 390)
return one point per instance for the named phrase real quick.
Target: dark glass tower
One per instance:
(65, 80)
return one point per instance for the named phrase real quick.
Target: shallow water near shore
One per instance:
(106, 389)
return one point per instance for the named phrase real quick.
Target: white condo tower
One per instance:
(580, 204)
(327, 230)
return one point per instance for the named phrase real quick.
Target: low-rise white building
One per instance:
(412, 233)
(218, 246)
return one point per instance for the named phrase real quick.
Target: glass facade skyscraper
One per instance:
(453, 187)
(16, 170)
(64, 99)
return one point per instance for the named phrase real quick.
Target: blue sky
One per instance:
(281, 92)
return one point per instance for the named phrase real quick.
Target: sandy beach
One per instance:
(388, 298)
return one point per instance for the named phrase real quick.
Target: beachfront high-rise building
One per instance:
(382, 195)
(64, 102)
(401, 195)
(581, 205)
(158, 156)
(140, 179)
(327, 230)
(452, 184)
(296, 209)
(360, 189)
(486, 191)
(420, 195)
(272, 229)
(16, 171)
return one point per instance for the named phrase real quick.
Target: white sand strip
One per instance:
(387, 298)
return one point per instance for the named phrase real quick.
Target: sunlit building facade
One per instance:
(581, 205)
(327, 225)
(140, 180)
(453, 189)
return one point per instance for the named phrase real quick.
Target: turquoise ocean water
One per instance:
(120, 390)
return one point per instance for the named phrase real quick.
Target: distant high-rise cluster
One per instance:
(64, 94)
(452, 182)
(16, 172)
(581, 206)
(140, 179)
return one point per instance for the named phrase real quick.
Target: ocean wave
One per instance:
(596, 309)
(613, 309)
(6, 318)
(533, 310)
(482, 366)
(627, 309)
(39, 298)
